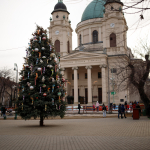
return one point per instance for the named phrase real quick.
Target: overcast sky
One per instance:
(18, 18)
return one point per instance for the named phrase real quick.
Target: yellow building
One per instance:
(91, 68)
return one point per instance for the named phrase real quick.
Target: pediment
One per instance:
(80, 55)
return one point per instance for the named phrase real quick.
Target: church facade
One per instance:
(92, 67)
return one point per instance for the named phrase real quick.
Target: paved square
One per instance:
(76, 134)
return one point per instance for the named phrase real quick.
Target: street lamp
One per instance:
(113, 83)
(16, 69)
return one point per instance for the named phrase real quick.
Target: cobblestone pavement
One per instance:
(76, 134)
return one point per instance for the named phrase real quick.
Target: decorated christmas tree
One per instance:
(41, 86)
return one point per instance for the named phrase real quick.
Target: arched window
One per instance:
(57, 46)
(113, 40)
(80, 39)
(95, 36)
(68, 47)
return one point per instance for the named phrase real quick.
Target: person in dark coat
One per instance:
(123, 111)
(119, 111)
(4, 111)
(79, 108)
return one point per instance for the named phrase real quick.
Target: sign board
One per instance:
(113, 93)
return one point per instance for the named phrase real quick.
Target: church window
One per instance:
(95, 36)
(85, 75)
(57, 46)
(99, 74)
(80, 38)
(57, 16)
(68, 47)
(113, 40)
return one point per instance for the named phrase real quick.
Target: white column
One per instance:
(89, 84)
(75, 84)
(104, 90)
(90, 39)
(99, 37)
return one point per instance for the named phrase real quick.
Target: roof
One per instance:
(94, 10)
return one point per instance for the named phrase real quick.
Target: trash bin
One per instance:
(144, 112)
(136, 113)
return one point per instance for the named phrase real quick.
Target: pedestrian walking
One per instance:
(1, 110)
(97, 106)
(93, 107)
(119, 111)
(4, 111)
(104, 111)
(130, 106)
(79, 107)
(123, 111)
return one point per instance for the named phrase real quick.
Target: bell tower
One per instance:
(60, 31)
(114, 27)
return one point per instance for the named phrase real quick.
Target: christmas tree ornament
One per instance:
(44, 94)
(40, 89)
(50, 78)
(52, 72)
(31, 87)
(53, 80)
(59, 58)
(59, 94)
(53, 87)
(39, 69)
(23, 97)
(37, 61)
(44, 57)
(45, 107)
(28, 83)
(43, 48)
(36, 50)
(47, 61)
(55, 59)
(39, 39)
(44, 85)
(43, 33)
(52, 55)
(23, 67)
(39, 54)
(52, 101)
(22, 106)
(28, 74)
(32, 100)
(44, 70)
(22, 88)
(50, 58)
(43, 79)
(41, 61)
(48, 89)
(44, 38)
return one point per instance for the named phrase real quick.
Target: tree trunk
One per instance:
(144, 98)
(41, 121)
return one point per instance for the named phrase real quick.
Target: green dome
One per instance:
(94, 10)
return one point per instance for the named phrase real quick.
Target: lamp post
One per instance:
(112, 82)
(16, 69)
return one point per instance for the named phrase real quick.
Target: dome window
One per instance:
(80, 39)
(95, 36)
(57, 16)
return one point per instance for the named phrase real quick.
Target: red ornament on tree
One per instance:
(44, 94)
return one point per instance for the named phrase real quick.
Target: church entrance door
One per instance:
(100, 95)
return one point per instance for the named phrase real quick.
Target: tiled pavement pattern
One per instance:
(76, 134)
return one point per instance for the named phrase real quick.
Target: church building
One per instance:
(92, 66)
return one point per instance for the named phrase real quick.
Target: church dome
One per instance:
(60, 6)
(94, 10)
